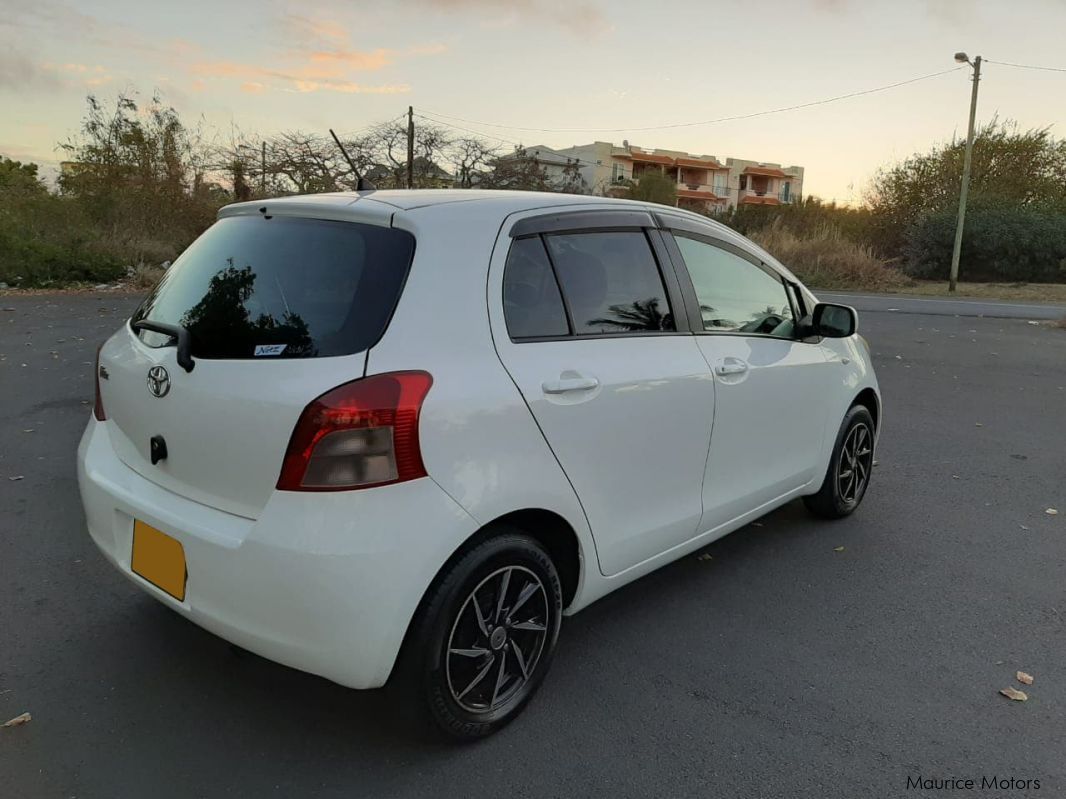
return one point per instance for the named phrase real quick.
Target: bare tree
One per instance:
(470, 157)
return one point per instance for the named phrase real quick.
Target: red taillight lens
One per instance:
(98, 403)
(361, 434)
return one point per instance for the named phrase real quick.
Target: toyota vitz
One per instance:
(394, 437)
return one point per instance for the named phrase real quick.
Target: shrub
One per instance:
(1000, 242)
(825, 258)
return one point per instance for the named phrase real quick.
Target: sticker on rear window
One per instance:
(269, 349)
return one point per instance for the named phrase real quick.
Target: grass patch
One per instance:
(826, 259)
(1030, 292)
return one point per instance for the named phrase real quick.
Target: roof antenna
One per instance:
(361, 183)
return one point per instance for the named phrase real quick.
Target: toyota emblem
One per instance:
(158, 381)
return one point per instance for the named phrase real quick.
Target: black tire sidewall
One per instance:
(856, 415)
(506, 549)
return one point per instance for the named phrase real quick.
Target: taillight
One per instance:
(358, 435)
(98, 403)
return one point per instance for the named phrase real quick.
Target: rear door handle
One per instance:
(731, 368)
(565, 384)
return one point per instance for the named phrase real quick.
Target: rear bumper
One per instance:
(323, 582)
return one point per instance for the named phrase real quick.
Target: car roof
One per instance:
(380, 206)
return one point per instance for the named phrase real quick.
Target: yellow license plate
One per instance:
(159, 559)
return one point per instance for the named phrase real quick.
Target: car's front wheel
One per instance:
(850, 467)
(485, 636)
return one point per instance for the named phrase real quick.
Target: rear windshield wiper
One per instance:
(178, 332)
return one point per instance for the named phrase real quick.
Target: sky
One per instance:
(272, 65)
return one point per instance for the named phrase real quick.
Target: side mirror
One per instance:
(833, 321)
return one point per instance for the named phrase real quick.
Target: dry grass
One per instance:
(1030, 292)
(145, 276)
(825, 259)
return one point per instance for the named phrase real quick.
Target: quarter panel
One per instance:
(478, 439)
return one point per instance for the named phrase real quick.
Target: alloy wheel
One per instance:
(497, 639)
(856, 460)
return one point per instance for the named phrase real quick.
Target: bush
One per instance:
(999, 243)
(45, 239)
(825, 258)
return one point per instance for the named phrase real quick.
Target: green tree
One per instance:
(1022, 168)
(654, 187)
(16, 176)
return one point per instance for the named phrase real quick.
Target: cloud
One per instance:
(581, 18)
(307, 29)
(303, 79)
(831, 6)
(319, 57)
(354, 59)
(20, 73)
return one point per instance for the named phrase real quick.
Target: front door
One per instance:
(625, 400)
(770, 410)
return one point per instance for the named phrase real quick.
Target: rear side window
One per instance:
(611, 282)
(532, 305)
(282, 287)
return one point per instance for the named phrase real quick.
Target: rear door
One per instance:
(771, 399)
(616, 382)
(279, 309)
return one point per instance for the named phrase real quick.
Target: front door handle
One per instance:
(731, 368)
(565, 384)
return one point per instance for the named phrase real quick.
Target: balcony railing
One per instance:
(718, 191)
(784, 197)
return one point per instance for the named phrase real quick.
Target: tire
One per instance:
(850, 467)
(473, 660)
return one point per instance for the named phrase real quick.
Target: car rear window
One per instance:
(282, 287)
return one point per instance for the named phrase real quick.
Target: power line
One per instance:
(1024, 66)
(705, 121)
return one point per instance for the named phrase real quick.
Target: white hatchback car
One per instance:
(395, 436)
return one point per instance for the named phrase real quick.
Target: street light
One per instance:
(956, 251)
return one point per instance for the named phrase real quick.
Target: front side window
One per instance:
(611, 282)
(735, 295)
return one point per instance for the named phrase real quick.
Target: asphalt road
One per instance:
(779, 668)
(904, 303)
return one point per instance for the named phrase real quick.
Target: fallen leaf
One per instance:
(704, 556)
(1025, 678)
(1015, 694)
(1023, 526)
(1051, 512)
(20, 719)
(838, 549)
(17, 477)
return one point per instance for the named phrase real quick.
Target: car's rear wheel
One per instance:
(850, 467)
(485, 636)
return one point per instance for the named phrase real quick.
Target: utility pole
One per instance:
(965, 190)
(410, 147)
(263, 169)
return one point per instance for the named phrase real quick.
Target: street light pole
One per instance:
(965, 189)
